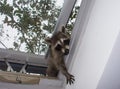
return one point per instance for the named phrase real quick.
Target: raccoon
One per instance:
(59, 47)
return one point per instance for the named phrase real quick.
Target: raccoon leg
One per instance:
(52, 71)
(69, 78)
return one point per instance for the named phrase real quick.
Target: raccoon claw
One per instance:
(70, 80)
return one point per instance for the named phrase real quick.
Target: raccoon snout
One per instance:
(66, 52)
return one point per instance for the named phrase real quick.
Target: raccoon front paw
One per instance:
(70, 79)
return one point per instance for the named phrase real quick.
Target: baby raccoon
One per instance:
(59, 47)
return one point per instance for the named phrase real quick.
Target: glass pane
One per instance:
(73, 16)
(25, 23)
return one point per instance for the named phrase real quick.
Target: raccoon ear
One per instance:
(48, 40)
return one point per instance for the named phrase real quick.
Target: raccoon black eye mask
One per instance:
(58, 47)
(66, 42)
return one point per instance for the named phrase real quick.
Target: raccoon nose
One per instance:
(66, 52)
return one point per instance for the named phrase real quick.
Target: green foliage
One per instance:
(72, 18)
(34, 20)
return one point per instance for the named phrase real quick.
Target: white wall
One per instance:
(94, 47)
(111, 75)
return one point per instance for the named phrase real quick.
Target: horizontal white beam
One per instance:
(22, 57)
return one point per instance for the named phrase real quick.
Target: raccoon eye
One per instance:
(58, 47)
(67, 41)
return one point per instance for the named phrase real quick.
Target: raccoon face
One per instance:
(60, 42)
(63, 46)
